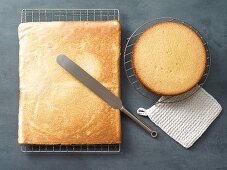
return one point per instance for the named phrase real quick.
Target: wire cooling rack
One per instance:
(138, 85)
(104, 148)
(45, 15)
(48, 15)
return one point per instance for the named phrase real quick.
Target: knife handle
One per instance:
(152, 132)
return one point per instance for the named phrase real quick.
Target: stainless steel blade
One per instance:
(99, 89)
(89, 82)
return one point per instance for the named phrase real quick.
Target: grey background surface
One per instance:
(139, 151)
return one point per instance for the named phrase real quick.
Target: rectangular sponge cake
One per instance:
(54, 107)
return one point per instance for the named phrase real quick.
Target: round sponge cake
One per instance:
(169, 58)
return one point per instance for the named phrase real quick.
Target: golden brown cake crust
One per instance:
(169, 58)
(54, 107)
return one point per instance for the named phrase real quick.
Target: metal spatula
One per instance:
(99, 90)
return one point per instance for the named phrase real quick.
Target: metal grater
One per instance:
(47, 15)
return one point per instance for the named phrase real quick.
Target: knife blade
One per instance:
(97, 88)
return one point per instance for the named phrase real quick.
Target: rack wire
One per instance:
(45, 15)
(48, 15)
(138, 86)
(98, 148)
